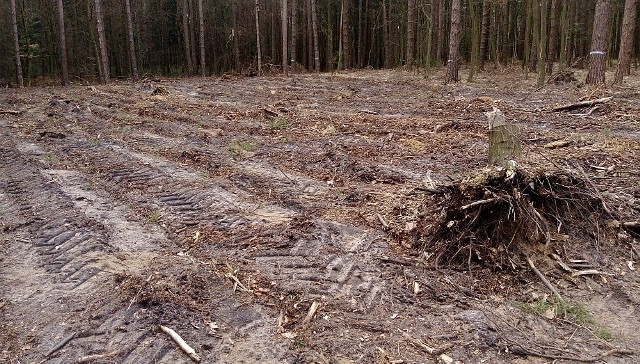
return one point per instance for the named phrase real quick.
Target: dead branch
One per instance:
(478, 203)
(595, 188)
(237, 282)
(522, 351)
(12, 112)
(183, 345)
(61, 344)
(544, 279)
(312, 311)
(631, 224)
(384, 222)
(587, 103)
(96, 357)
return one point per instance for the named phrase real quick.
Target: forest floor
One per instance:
(226, 208)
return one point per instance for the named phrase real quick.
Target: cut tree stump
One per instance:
(503, 141)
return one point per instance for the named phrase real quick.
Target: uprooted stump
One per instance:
(502, 217)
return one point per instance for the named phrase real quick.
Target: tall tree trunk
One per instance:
(235, 33)
(294, 32)
(411, 31)
(257, 11)
(63, 44)
(474, 9)
(132, 45)
(102, 41)
(553, 36)
(453, 63)
(542, 48)
(440, 33)
(203, 67)
(346, 34)
(285, 63)
(535, 31)
(309, 48)
(626, 45)
(316, 47)
(484, 33)
(186, 37)
(386, 35)
(361, 33)
(16, 43)
(599, 43)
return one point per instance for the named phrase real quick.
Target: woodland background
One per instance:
(207, 37)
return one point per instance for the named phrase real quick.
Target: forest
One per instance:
(96, 40)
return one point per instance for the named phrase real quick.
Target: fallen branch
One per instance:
(544, 280)
(61, 344)
(12, 112)
(587, 103)
(312, 311)
(95, 357)
(631, 224)
(183, 345)
(237, 282)
(384, 222)
(595, 188)
(522, 351)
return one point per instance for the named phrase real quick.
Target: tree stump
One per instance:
(503, 141)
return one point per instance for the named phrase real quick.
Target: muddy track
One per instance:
(122, 210)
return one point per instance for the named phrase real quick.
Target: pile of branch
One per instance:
(500, 219)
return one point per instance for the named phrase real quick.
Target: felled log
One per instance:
(587, 103)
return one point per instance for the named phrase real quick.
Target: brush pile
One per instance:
(501, 217)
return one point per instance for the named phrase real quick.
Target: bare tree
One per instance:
(102, 40)
(203, 67)
(186, 37)
(626, 45)
(235, 35)
(411, 31)
(542, 49)
(484, 32)
(346, 34)
(285, 63)
(16, 43)
(63, 44)
(453, 63)
(132, 44)
(553, 35)
(294, 32)
(258, 38)
(316, 47)
(599, 43)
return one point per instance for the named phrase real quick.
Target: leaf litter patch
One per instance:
(500, 218)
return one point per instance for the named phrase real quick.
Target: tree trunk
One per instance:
(453, 63)
(535, 31)
(186, 37)
(346, 34)
(626, 45)
(553, 36)
(474, 9)
(484, 32)
(440, 33)
(285, 64)
(203, 67)
(411, 31)
(257, 10)
(316, 47)
(16, 43)
(542, 48)
(504, 144)
(386, 35)
(132, 45)
(235, 34)
(63, 45)
(599, 43)
(294, 32)
(102, 41)
(361, 32)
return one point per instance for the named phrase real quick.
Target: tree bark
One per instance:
(599, 43)
(626, 45)
(257, 10)
(346, 34)
(411, 31)
(316, 47)
(16, 43)
(542, 49)
(535, 31)
(285, 63)
(132, 45)
(386, 35)
(553, 36)
(102, 41)
(484, 33)
(235, 33)
(203, 67)
(294, 32)
(186, 37)
(453, 63)
(440, 33)
(474, 10)
(63, 45)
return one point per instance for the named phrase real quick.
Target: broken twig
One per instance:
(478, 203)
(61, 344)
(237, 282)
(312, 311)
(384, 222)
(183, 345)
(522, 351)
(544, 280)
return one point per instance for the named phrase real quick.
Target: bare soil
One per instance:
(223, 208)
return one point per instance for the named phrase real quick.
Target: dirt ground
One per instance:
(225, 208)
